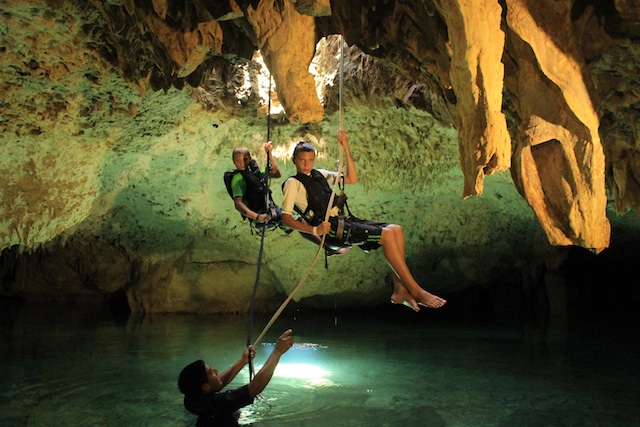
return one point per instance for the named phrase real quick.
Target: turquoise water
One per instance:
(77, 367)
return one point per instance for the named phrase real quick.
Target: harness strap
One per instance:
(340, 229)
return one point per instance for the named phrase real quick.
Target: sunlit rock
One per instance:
(118, 119)
(477, 73)
(559, 161)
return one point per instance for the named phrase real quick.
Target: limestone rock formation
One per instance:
(453, 47)
(559, 160)
(116, 175)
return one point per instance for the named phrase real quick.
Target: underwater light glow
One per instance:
(303, 371)
(304, 363)
(308, 374)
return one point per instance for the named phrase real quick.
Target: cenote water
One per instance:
(74, 367)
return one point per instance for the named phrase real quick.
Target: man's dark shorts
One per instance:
(352, 231)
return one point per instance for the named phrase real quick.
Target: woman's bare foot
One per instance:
(430, 300)
(402, 296)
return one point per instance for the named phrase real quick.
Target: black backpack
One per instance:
(258, 195)
(228, 177)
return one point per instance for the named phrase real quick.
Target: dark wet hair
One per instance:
(303, 147)
(192, 377)
(239, 150)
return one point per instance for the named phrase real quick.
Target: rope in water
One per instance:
(328, 213)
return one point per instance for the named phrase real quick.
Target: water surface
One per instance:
(77, 367)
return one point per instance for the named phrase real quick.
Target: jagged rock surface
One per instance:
(454, 48)
(536, 87)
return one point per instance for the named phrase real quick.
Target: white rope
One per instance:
(326, 218)
(341, 79)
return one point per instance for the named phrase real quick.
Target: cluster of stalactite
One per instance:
(545, 89)
(521, 81)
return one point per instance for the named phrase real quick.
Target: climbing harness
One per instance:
(327, 214)
(318, 194)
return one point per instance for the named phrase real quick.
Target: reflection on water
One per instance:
(71, 367)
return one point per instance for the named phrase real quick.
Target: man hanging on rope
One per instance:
(308, 193)
(248, 187)
(202, 386)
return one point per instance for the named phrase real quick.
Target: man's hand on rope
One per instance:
(263, 218)
(342, 139)
(321, 229)
(248, 354)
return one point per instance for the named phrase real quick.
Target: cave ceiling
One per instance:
(544, 88)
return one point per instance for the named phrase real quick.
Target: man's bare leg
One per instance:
(392, 241)
(401, 295)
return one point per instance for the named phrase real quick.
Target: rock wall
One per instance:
(111, 185)
(161, 234)
(455, 48)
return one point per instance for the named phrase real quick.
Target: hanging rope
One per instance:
(328, 213)
(341, 82)
(253, 298)
(269, 112)
(268, 167)
(263, 228)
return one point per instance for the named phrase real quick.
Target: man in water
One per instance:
(308, 193)
(202, 386)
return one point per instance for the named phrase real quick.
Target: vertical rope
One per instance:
(328, 212)
(262, 234)
(253, 298)
(269, 112)
(341, 80)
(268, 167)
